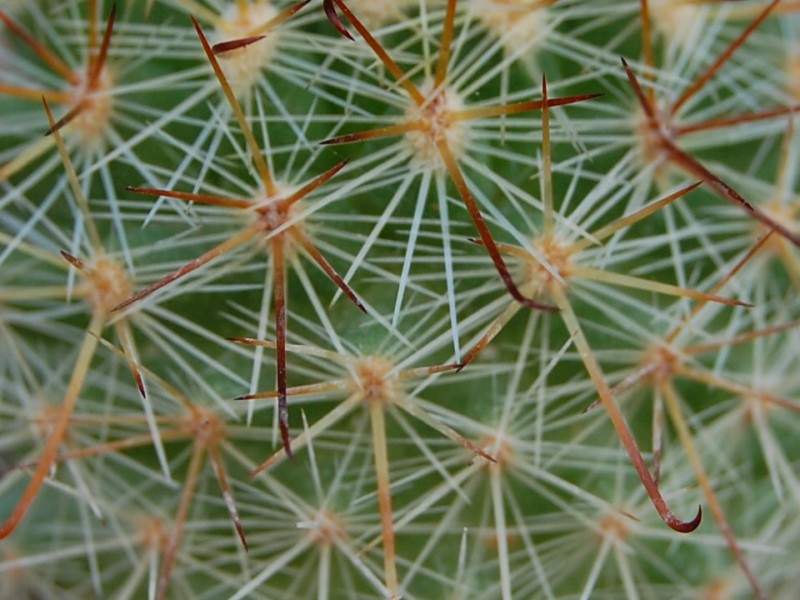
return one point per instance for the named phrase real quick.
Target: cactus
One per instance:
(566, 233)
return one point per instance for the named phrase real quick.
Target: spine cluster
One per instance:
(366, 299)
